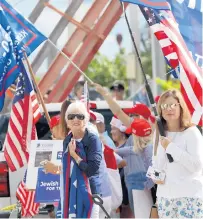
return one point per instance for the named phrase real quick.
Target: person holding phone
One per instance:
(180, 194)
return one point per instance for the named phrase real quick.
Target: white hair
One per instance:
(75, 106)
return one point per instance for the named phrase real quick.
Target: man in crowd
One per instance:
(100, 123)
(118, 90)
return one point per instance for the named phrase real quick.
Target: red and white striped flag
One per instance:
(25, 113)
(165, 28)
(28, 207)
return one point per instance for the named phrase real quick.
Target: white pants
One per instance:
(97, 212)
(142, 201)
(107, 206)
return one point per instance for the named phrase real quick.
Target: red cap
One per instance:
(140, 109)
(54, 121)
(93, 115)
(140, 127)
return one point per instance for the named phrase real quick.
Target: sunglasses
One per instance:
(169, 106)
(78, 116)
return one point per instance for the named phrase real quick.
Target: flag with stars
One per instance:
(25, 113)
(76, 199)
(17, 35)
(166, 29)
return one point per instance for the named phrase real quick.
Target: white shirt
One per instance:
(184, 176)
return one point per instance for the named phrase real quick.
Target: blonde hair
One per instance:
(185, 117)
(140, 143)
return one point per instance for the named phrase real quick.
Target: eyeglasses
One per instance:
(169, 106)
(78, 116)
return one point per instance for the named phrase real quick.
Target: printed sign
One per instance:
(42, 150)
(48, 187)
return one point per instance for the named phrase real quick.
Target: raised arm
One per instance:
(113, 105)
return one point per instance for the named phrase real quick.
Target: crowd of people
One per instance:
(115, 167)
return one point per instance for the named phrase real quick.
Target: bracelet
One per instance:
(78, 160)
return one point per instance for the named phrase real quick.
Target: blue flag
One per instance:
(16, 36)
(189, 16)
(156, 4)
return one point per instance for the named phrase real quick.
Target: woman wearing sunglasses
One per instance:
(83, 170)
(180, 195)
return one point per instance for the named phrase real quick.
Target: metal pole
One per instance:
(148, 89)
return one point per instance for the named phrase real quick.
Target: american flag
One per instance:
(25, 113)
(165, 28)
(28, 207)
(85, 96)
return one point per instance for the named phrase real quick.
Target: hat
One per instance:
(93, 115)
(54, 121)
(140, 109)
(117, 85)
(118, 124)
(139, 127)
(99, 118)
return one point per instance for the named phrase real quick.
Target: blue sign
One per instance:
(48, 187)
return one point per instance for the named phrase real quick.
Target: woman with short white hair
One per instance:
(83, 170)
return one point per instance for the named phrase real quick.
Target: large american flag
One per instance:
(165, 28)
(28, 207)
(25, 113)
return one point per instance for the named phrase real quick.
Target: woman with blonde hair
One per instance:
(137, 152)
(180, 195)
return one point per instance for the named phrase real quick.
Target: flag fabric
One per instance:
(28, 207)
(76, 200)
(16, 36)
(85, 96)
(189, 17)
(175, 50)
(25, 113)
(157, 4)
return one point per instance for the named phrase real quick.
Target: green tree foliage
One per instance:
(104, 71)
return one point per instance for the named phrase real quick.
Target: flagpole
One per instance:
(62, 53)
(147, 87)
(38, 90)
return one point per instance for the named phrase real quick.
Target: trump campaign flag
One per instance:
(179, 32)
(25, 113)
(16, 36)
